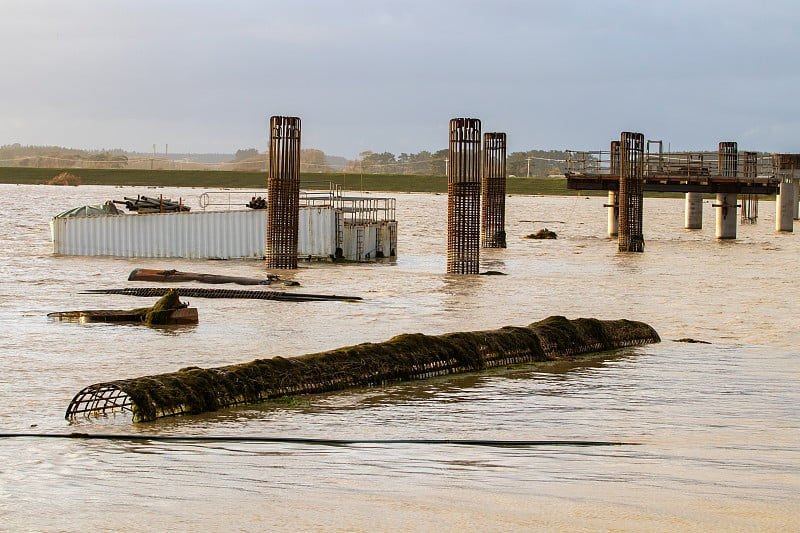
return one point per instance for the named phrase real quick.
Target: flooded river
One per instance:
(717, 425)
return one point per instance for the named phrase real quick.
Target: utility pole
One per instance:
(529, 166)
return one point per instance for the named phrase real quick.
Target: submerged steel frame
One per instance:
(749, 214)
(97, 399)
(631, 192)
(493, 193)
(283, 193)
(463, 196)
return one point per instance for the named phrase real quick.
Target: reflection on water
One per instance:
(717, 424)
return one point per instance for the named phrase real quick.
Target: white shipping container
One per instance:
(201, 235)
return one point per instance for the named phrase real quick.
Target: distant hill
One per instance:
(336, 162)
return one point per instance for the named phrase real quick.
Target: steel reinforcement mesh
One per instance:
(463, 196)
(749, 213)
(283, 193)
(631, 192)
(405, 357)
(728, 159)
(493, 199)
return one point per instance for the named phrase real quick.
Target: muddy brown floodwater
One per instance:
(718, 424)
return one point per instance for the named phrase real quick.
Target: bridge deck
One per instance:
(751, 173)
(668, 182)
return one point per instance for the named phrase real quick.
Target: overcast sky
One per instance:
(205, 76)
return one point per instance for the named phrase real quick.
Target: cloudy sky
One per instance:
(205, 76)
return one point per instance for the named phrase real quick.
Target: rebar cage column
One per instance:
(463, 196)
(493, 191)
(631, 192)
(749, 214)
(283, 192)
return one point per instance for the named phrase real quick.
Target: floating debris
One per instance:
(405, 357)
(691, 341)
(201, 292)
(149, 274)
(167, 310)
(542, 234)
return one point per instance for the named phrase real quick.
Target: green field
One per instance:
(213, 179)
(218, 179)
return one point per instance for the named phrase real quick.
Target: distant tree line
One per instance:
(16, 155)
(519, 164)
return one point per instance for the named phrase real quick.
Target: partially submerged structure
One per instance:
(405, 357)
(331, 226)
(634, 166)
(168, 310)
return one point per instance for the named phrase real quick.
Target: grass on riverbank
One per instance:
(213, 179)
(216, 179)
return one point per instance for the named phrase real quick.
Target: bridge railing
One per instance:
(750, 166)
(593, 162)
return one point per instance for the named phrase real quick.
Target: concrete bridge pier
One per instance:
(785, 205)
(726, 215)
(694, 210)
(613, 214)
